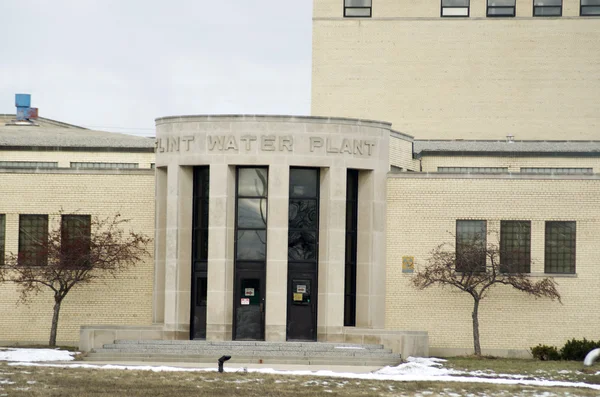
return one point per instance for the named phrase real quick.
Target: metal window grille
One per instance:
(501, 8)
(515, 246)
(547, 8)
(471, 245)
(473, 170)
(75, 231)
(33, 240)
(2, 237)
(557, 171)
(28, 164)
(560, 247)
(455, 8)
(357, 8)
(589, 8)
(90, 165)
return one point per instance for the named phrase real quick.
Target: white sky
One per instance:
(116, 65)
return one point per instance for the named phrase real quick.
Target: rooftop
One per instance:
(47, 133)
(505, 148)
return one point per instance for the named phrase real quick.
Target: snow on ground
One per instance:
(415, 369)
(34, 355)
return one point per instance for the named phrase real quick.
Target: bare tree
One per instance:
(475, 267)
(78, 251)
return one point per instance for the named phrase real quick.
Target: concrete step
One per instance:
(244, 353)
(276, 348)
(304, 353)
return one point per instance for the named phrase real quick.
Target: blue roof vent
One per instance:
(24, 110)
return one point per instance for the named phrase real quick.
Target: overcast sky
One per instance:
(116, 65)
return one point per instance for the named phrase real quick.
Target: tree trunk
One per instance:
(54, 328)
(476, 328)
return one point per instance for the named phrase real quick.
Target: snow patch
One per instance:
(34, 355)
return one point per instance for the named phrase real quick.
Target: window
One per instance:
(515, 246)
(357, 8)
(560, 247)
(501, 8)
(558, 171)
(590, 8)
(33, 240)
(2, 237)
(547, 8)
(351, 248)
(473, 170)
(75, 232)
(470, 245)
(251, 218)
(455, 8)
(88, 165)
(28, 164)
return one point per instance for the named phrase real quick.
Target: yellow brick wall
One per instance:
(422, 213)
(64, 159)
(463, 78)
(126, 300)
(514, 164)
(426, 8)
(400, 152)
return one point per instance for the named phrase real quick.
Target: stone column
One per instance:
(332, 238)
(277, 247)
(220, 252)
(371, 250)
(178, 234)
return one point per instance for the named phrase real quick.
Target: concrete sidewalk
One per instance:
(234, 367)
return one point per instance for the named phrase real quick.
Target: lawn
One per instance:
(22, 379)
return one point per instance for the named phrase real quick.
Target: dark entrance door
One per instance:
(302, 306)
(249, 306)
(303, 243)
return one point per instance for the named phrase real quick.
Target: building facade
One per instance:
(49, 171)
(460, 69)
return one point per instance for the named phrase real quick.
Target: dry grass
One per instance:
(54, 381)
(572, 371)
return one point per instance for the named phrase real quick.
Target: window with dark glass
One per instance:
(251, 216)
(501, 8)
(33, 240)
(455, 8)
(547, 8)
(2, 237)
(590, 8)
(560, 247)
(303, 221)
(357, 8)
(471, 245)
(200, 220)
(515, 246)
(351, 251)
(75, 232)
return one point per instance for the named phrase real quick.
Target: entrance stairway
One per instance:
(305, 353)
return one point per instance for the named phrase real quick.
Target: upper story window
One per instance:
(28, 164)
(501, 8)
(474, 170)
(590, 8)
(557, 171)
(547, 8)
(357, 8)
(455, 8)
(90, 165)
